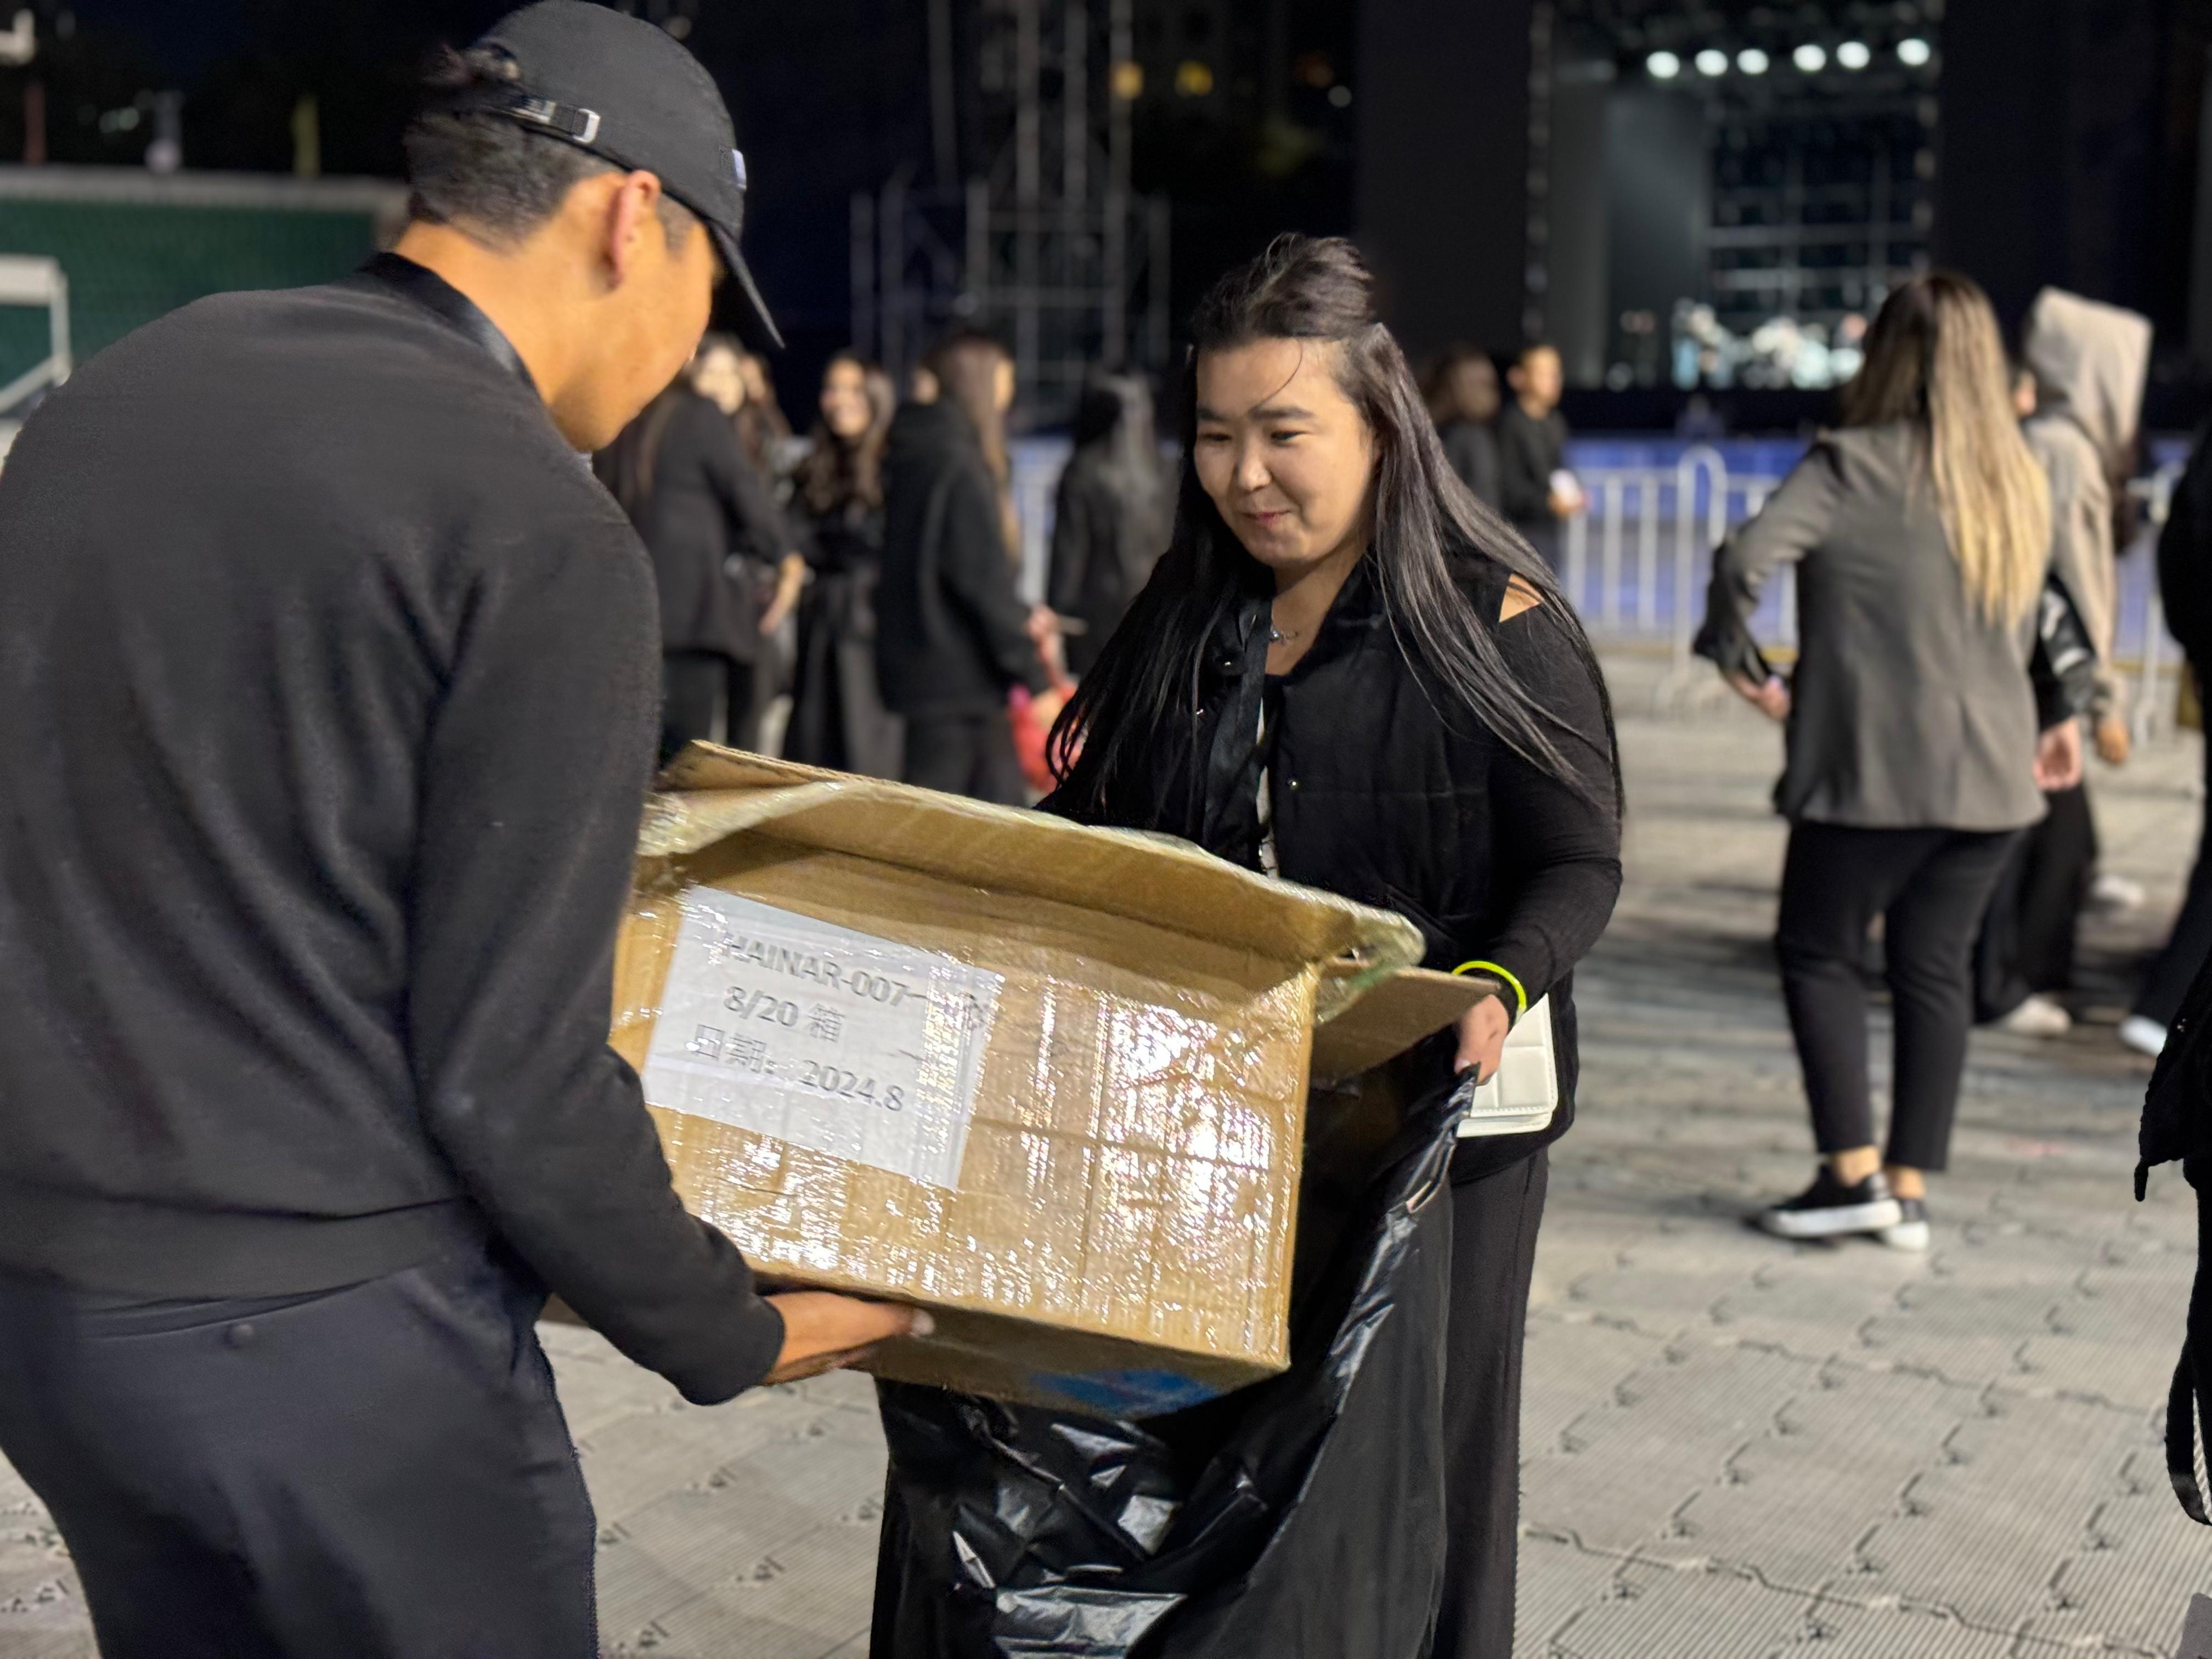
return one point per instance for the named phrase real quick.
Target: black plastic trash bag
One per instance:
(1302, 1515)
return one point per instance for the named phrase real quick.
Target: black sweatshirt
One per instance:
(1530, 451)
(951, 630)
(327, 695)
(709, 504)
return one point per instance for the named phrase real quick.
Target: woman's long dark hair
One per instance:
(1428, 532)
(836, 474)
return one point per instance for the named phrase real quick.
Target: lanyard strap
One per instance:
(427, 289)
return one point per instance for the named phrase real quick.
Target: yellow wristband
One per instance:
(1520, 991)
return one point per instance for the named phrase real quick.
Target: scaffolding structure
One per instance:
(1042, 240)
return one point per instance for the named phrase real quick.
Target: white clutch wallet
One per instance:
(1524, 1091)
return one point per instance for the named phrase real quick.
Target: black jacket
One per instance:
(327, 690)
(1106, 537)
(1529, 451)
(1378, 796)
(2184, 557)
(2177, 1123)
(713, 529)
(1471, 447)
(951, 630)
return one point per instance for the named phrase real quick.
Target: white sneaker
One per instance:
(2144, 1036)
(1911, 1231)
(2037, 1016)
(2116, 896)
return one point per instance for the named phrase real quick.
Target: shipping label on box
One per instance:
(821, 1035)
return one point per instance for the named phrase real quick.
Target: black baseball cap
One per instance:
(623, 89)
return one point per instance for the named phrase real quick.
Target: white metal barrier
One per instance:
(34, 280)
(1638, 562)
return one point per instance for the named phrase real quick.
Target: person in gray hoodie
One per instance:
(2089, 361)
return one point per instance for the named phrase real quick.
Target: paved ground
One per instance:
(1733, 1447)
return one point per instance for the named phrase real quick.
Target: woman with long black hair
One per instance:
(837, 714)
(1346, 671)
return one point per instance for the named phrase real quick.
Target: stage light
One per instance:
(1914, 52)
(1853, 54)
(1663, 66)
(1752, 61)
(1712, 61)
(1809, 58)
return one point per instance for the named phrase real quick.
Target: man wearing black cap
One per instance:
(327, 703)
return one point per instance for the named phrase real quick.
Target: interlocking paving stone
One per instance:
(1755, 1514)
(1558, 1580)
(803, 1600)
(1585, 1359)
(2010, 1501)
(1658, 1610)
(1846, 1630)
(1620, 1471)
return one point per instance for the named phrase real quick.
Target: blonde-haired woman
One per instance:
(1917, 750)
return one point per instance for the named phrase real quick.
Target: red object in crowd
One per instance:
(1031, 717)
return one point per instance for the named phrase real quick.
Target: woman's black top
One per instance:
(1107, 534)
(1380, 796)
(1530, 449)
(952, 632)
(708, 503)
(837, 714)
(1472, 448)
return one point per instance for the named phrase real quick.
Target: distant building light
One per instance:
(1340, 96)
(1192, 78)
(20, 43)
(1810, 58)
(1128, 81)
(1712, 61)
(1853, 54)
(1752, 61)
(1913, 52)
(1663, 66)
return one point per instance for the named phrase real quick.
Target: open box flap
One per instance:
(714, 793)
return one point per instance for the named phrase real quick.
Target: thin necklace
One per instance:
(1276, 637)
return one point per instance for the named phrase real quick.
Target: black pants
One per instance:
(2028, 933)
(969, 754)
(1494, 1221)
(2174, 968)
(380, 1471)
(1931, 888)
(711, 698)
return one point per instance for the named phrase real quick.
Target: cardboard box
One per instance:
(1049, 1082)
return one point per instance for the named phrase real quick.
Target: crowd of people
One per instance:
(308, 1104)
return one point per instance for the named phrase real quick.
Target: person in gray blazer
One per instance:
(1917, 750)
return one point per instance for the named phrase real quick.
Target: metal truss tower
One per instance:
(1036, 233)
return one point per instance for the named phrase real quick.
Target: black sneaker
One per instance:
(1911, 1232)
(1827, 1208)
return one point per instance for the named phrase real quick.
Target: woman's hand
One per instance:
(2113, 742)
(2058, 757)
(1771, 699)
(790, 577)
(1482, 1037)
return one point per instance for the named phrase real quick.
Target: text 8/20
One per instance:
(760, 1005)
